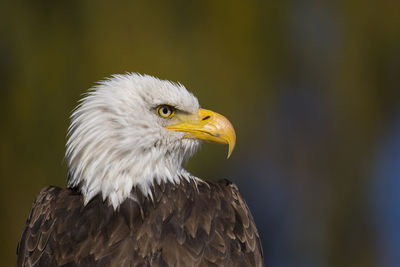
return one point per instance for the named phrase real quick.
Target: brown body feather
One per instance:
(188, 224)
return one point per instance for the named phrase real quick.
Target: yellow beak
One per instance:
(206, 125)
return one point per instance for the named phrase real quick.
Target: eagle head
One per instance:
(134, 130)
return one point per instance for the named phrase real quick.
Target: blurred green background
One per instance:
(312, 88)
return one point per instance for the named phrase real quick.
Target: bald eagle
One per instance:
(129, 201)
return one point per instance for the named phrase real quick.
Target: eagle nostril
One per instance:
(206, 118)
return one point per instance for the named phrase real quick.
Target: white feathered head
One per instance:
(134, 130)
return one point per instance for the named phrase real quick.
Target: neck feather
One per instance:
(118, 189)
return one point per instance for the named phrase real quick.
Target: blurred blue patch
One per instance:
(386, 197)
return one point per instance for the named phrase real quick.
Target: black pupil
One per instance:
(165, 110)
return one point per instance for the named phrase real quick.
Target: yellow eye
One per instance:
(165, 111)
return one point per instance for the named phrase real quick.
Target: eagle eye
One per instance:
(165, 111)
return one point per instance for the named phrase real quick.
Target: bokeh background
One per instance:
(312, 88)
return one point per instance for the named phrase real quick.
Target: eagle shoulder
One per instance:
(210, 226)
(31, 250)
(242, 232)
(62, 231)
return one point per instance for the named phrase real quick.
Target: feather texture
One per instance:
(116, 140)
(186, 224)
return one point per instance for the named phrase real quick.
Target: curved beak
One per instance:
(206, 125)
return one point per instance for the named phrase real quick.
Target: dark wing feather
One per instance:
(188, 224)
(207, 224)
(32, 249)
(60, 231)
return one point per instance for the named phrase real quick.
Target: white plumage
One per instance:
(117, 141)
